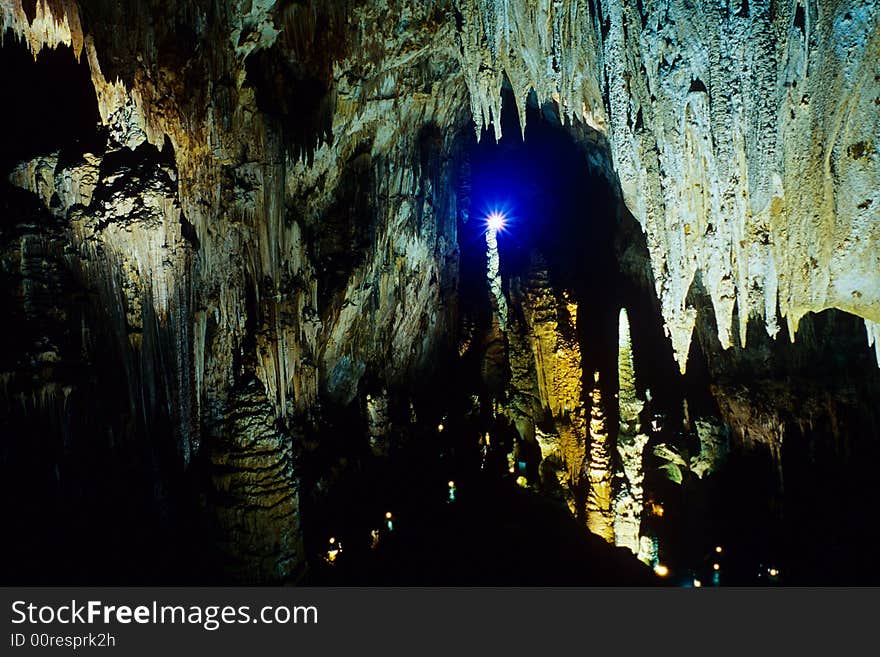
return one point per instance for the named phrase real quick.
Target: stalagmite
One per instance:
(630, 446)
(600, 515)
(873, 329)
(494, 277)
(378, 424)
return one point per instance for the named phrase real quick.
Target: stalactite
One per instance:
(562, 67)
(873, 329)
(52, 24)
(713, 124)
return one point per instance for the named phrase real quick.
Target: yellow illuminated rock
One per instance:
(600, 514)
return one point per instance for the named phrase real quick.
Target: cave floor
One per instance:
(493, 534)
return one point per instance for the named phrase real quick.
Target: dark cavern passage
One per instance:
(449, 293)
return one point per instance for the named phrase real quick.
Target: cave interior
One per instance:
(255, 332)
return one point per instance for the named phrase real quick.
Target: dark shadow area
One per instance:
(92, 489)
(795, 494)
(51, 103)
(88, 493)
(489, 532)
(301, 102)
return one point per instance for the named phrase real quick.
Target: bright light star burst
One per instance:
(496, 221)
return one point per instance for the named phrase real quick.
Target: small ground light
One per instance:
(334, 550)
(716, 566)
(661, 570)
(697, 584)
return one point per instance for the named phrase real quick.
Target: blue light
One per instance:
(496, 221)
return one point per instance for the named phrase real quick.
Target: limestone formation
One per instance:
(600, 470)
(630, 446)
(546, 375)
(272, 221)
(743, 135)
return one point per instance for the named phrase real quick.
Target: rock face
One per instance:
(740, 135)
(272, 217)
(303, 233)
(256, 494)
(719, 116)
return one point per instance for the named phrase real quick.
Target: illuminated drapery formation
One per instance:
(546, 378)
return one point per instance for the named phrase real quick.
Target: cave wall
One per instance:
(293, 228)
(304, 234)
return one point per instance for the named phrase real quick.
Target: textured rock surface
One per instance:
(736, 133)
(546, 372)
(600, 509)
(304, 233)
(716, 116)
(256, 497)
(743, 134)
(630, 446)
(273, 218)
